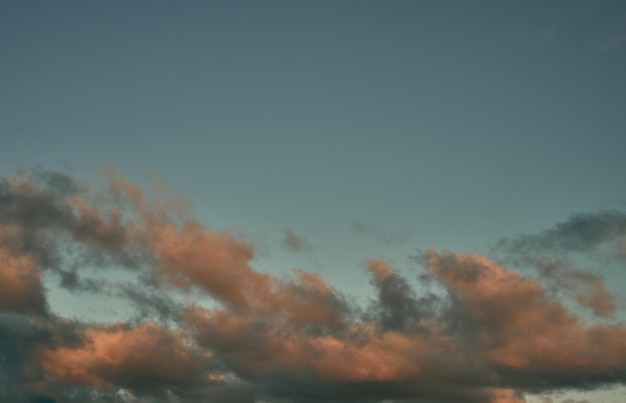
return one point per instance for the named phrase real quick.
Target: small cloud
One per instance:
(546, 36)
(295, 243)
(387, 238)
(581, 232)
(613, 41)
(616, 39)
(542, 37)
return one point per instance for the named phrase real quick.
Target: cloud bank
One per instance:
(474, 330)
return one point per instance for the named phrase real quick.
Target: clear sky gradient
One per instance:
(329, 132)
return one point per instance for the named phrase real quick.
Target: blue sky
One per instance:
(434, 124)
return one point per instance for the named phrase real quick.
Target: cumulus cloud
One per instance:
(475, 330)
(518, 326)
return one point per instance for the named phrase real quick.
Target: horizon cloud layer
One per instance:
(476, 331)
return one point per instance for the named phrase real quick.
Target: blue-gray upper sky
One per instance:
(360, 128)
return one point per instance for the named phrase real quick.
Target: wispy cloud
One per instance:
(484, 333)
(613, 41)
(387, 238)
(553, 254)
(617, 39)
(579, 233)
(295, 243)
(541, 37)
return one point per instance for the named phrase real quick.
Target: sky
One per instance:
(281, 201)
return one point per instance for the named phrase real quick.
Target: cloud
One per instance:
(147, 356)
(397, 305)
(540, 37)
(149, 303)
(613, 41)
(21, 287)
(46, 209)
(556, 255)
(295, 243)
(473, 329)
(616, 39)
(579, 233)
(390, 239)
(516, 325)
(496, 324)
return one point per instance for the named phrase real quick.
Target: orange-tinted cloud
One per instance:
(188, 254)
(263, 346)
(594, 295)
(133, 357)
(481, 333)
(516, 324)
(506, 396)
(21, 287)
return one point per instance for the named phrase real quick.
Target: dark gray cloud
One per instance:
(51, 210)
(569, 257)
(295, 243)
(579, 233)
(397, 304)
(387, 238)
(21, 336)
(149, 303)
